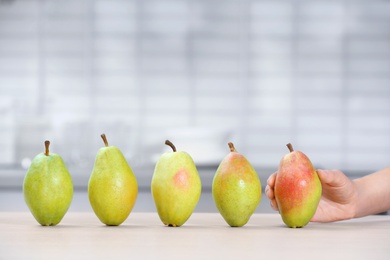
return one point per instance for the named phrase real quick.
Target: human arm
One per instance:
(374, 193)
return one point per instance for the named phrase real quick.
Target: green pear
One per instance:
(48, 188)
(175, 187)
(236, 188)
(112, 187)
(297, 189)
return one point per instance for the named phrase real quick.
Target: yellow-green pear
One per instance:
(48, 188)
(176, 187)
(297, 189)
(112, 187)
(236, 188)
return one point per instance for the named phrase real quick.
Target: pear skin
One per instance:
(297, 188)
(175, 187)
(236, 188)
(48, 188)
(112, 187)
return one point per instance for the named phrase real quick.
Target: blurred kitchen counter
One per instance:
(203, 236)
(11, 200)
(12, 177)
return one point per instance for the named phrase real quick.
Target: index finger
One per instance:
(271, 179)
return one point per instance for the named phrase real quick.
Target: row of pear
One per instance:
(175, 187)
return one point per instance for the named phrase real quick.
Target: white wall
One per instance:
(263, 73)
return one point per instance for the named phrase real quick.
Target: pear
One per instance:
(48, 188)
(236, 188)
(112, 187)
(297, 189)
(175, 187)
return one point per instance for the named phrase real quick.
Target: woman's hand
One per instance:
(339, 196)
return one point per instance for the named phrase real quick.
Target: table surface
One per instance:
(80, 235)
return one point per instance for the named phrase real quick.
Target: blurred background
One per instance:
(200, 73)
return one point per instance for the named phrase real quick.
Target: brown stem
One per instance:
(290, 147)
(232, 148)
(104, 139)
(47, 144)
(167, 142)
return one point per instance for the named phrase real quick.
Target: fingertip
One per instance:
(327, 176)
(269, 192)
(274, 205)
(321, 172)
(324, 175)
(271, 179)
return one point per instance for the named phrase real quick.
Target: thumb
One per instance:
(331, 177)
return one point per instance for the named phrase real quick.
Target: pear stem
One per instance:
(290, 147)
(47, 144)
(104, 139)
(232, 148)
(167, 142)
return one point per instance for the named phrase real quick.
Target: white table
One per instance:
(204, 236)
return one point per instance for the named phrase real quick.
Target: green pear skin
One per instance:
(236, 189)
(112, 186)
(176, 187)
(297, 189)
(48, 188)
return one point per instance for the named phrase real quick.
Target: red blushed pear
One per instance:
(175, 187)
(297, 189)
